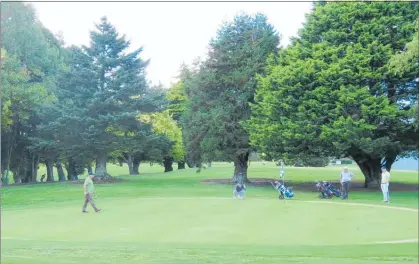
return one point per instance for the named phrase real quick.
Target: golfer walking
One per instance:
(345, 180)
(385, 181)
(89, 190)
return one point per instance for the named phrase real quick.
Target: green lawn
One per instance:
(174, 218)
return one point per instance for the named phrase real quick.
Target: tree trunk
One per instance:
(67, 168)
(181, 165)
(16, 176)
(27, 167)
(371, 167)
(27, 177)
(50, 169)
(100, 170)
(35, 162)
(168, 164)
(388, 161)
(71, 170)
(130, 162)
(136, 166)
(11, 142)
(190, 164)
(60, 171)
(209, 164)
(372, 171)
(240, 168)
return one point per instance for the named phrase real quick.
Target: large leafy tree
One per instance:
(332, 92)
(163, 124)
(219, 94)
(400, 65)
(103, 90)
(177, 98)
(406, 62)
(138, 143)
(31, 59)
(181, 112)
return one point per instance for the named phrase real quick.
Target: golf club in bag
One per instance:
(327, 190)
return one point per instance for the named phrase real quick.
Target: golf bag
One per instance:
(284, 192)
(327, 190)
(336, 191)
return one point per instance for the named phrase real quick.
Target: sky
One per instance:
(170, 33)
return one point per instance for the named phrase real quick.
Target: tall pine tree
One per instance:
(220, 93)
(103, 90)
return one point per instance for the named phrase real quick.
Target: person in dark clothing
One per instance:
(239, 191)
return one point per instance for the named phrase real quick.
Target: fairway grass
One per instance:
(174, 218)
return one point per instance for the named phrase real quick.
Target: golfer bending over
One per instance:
(239, 191)
(89, 190)
(385, 181)
(345, 180)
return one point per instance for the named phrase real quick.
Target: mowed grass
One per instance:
(174, 218)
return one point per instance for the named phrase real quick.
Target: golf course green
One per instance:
(176, 218)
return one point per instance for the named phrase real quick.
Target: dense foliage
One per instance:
(28, 79)
(73, 107)
(347, 86)
(164, 124)
(339, 90)
(219, 92)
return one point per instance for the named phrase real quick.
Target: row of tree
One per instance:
(347, 86)
(75, 107)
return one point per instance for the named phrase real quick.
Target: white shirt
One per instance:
(346, 176)
(385, 177)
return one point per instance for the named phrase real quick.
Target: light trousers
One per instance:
(384, 189)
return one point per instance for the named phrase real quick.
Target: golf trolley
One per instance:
(284, 192)
(327, 190)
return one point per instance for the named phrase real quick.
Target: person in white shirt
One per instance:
(385, 181)
(345, 180)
